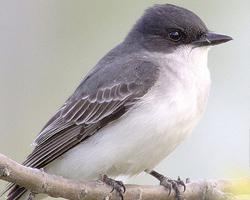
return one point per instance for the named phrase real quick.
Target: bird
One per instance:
(137, 104)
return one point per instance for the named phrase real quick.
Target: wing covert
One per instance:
(102, 97)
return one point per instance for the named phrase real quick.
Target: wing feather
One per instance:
(81, 120)
(89, 109)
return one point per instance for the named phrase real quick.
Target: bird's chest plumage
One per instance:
(167, 113)
(172, 108)
(163, 118)
(180, 95)
(147, 133)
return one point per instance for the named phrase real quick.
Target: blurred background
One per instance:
(46, 48)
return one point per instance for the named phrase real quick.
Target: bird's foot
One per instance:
(173, 184)
(31, 196)
(170, 184)
(117, 186)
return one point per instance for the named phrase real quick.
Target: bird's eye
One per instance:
(175, 36)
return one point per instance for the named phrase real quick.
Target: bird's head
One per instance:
(165, 27)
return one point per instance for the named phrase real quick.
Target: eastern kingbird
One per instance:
(135, 106)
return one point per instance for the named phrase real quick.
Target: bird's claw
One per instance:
(117, 186)
(169, 183)
(173, 184)
(165, 183)
(181, 183)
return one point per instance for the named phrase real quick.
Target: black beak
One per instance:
(211, 39)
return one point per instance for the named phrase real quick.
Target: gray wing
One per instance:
(105, 94)
(78, 120)
(102, 97)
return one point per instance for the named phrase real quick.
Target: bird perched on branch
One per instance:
(134, 107)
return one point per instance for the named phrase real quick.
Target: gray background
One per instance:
(46, 47)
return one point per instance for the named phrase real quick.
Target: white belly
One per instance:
(138, 141)
(144, 136)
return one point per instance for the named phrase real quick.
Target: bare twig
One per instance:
(40, 182)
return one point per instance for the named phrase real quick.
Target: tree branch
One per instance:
(40, 182)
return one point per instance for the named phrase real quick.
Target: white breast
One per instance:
(144, 136)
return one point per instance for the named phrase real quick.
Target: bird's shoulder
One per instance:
(132, 68)
(113, 85)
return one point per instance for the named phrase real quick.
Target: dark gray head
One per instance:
(163, 27)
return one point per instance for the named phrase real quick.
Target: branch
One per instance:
(40, 182)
